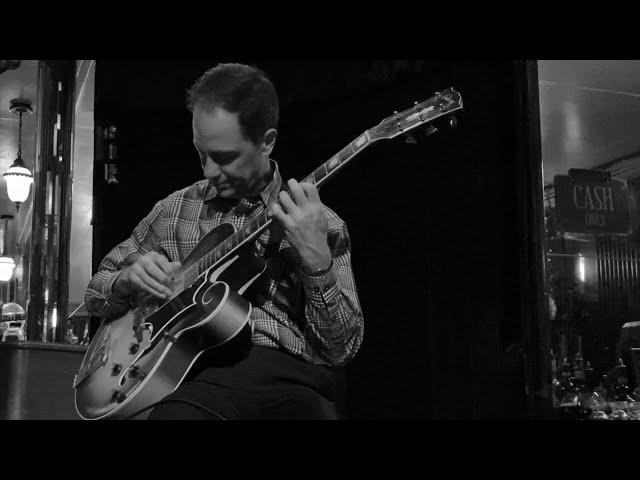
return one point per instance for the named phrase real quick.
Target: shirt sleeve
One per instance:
(99, 297)
(335, 323)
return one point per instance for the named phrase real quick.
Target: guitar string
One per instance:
(209, 259)
(342, 157)
(228, 244)
(245, 232)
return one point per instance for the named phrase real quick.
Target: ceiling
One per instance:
(589, 114)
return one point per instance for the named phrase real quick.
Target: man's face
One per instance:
(230, 161)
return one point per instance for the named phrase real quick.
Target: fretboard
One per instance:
(260, 222)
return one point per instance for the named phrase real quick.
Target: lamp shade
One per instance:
(19, 179)
(6, 268)
(12, 309)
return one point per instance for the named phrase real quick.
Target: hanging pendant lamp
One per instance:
(19, 177)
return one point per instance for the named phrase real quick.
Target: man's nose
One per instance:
(211, 170)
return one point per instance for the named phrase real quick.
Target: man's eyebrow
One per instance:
(223, 153)
(217, 152)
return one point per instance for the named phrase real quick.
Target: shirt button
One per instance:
(316, 289)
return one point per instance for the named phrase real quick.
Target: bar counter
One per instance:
(37, 380)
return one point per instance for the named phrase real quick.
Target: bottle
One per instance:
(622, 391)
(589, 376)
(579, 374)
(592, 399)
(70, 337)
(580, 382)
(110, 165)
(568, 394)
(555, 383)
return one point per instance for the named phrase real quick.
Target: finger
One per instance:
(281, 217)
(174, 267)
(154, 271)
(158, 284)
(146, 283)
(311, 191)
(289, 207)
(298, 193)
(161, 261)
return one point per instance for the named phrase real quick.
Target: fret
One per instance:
(361, 141)
(319, 174)
(346, 153)
(332, 163)
(202, 265)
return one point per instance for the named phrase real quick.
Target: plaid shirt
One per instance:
(316, 318)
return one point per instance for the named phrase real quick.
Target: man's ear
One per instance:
(269, 141)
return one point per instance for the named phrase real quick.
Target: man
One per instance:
(306, 315)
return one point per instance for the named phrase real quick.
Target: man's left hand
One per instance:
(305, 224)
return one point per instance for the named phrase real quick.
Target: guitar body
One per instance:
(136, 360)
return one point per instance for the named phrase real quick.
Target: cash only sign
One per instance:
(590, 201)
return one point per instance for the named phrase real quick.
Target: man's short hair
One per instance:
(241, 89)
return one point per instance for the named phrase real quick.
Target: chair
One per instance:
(13, 328)
(13, 321)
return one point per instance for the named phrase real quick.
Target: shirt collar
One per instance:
(268, 194)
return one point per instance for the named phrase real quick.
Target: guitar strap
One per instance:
(272, 247)
(273, 243)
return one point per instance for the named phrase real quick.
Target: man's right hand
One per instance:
(150, 274)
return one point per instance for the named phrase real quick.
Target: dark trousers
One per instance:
(258, 384)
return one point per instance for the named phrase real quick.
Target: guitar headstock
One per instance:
(442, 104)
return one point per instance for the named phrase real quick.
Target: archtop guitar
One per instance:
(136, 360)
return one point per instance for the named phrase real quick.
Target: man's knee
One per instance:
(307, 404)
(182, 410)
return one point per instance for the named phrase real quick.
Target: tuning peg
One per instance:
(431, 130)
(410, 139)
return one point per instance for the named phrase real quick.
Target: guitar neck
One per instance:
(260, 222)
(328, 169)
(440, 105)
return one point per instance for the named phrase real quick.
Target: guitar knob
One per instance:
(118, 397)
(453, 122)
(133, 348)
(134, 371)
(117, 368)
